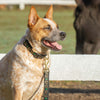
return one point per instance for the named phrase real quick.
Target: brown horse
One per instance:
(87, 26)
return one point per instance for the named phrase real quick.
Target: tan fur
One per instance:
(20, 72)
(49, 13)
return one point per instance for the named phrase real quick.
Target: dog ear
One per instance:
(49, 13)
(33, 17)
(79, 2)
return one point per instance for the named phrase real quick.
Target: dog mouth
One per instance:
(52, 45)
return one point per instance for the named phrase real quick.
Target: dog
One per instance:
(87, 26)
(21, 70)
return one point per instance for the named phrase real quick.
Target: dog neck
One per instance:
(37, 46)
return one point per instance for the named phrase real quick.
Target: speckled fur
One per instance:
(20, 72)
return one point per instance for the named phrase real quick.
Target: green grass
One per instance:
(13, 25)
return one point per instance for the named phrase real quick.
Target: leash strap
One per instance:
(46, 84)
(46, 79)
(32, 97)
(46, 71)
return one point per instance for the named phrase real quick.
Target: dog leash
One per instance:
(45, 71)
(46, 79)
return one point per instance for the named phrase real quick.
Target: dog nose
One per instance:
(63, 34)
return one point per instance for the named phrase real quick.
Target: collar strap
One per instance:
(29, 47)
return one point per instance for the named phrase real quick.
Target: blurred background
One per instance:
(14, 17)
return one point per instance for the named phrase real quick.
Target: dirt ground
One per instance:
(74, 91)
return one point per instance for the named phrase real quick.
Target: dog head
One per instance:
(44, 30)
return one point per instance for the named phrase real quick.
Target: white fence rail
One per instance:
(74, 67)
(22, 3)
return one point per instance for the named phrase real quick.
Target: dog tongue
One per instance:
(53, 45)
(56, 45)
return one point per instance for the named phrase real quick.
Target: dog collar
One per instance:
(45, 70)
(29, 47)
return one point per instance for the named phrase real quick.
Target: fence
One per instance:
(22, 3)
(74, 67)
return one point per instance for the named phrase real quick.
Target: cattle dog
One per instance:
(21, 70)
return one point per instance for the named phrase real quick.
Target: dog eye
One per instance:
(48, 27)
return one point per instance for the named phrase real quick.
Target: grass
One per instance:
(13, 25)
